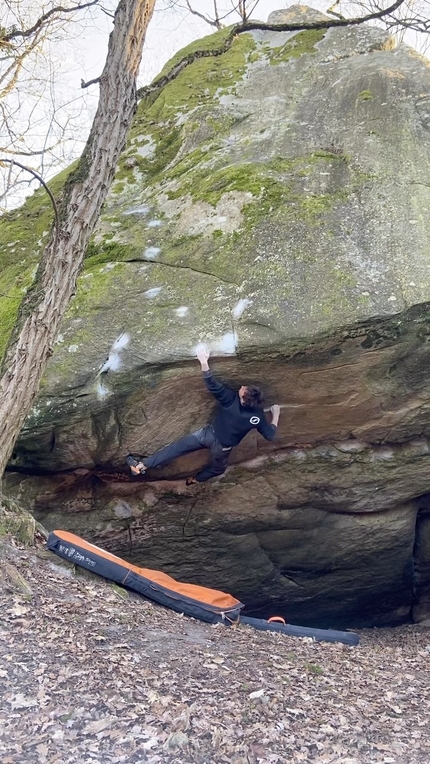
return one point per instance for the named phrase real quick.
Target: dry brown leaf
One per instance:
(97, 726)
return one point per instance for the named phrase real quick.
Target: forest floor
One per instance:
(90, 674)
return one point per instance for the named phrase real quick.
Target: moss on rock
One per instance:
(301, 43)
(194, 88)
(211, 42)
(16, 522)
(23, 233)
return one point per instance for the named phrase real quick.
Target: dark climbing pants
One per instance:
(203, 438)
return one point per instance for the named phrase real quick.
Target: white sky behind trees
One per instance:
(53, 112)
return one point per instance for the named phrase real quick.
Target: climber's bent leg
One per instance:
(193, 442)
(218, 462)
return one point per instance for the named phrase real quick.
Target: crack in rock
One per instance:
(184, 267)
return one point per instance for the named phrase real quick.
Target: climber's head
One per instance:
(251, 396)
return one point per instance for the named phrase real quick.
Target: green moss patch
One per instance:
(200, 81)
(194, 87)
(16, 522)
(271, 184)
(211, 187)
(210, 42)
(13, 281)
(23, 233)
(301, 43)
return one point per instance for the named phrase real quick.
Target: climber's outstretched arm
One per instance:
(223, 394)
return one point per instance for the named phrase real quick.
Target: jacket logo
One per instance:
(255, 420)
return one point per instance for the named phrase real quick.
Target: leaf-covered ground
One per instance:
(89, 674)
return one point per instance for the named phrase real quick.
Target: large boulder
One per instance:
(272, 202)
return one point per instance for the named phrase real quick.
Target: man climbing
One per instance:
(238, 413)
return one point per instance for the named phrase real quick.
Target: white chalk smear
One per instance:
(142, 210)
(151, 253)
(150, 293)
(182, 311)
(228, 343)
(101, 391)
(154, 223)
(240, 307)
(121, 342)
(200, 346)
(113, 361)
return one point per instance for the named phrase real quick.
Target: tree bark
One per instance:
(85, 192)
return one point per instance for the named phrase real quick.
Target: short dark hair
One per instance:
(253, 396)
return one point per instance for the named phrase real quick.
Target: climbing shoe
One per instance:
(136, 466)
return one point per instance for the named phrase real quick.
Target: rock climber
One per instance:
(238, 413)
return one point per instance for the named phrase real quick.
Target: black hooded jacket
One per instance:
(233, 420)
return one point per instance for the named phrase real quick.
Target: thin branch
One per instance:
(90, 82)
(217, 20)
(45, 186)
(254, 7)
(416, 24)
(214, 23)
(107, 13)
(43, 19)
(27, 153)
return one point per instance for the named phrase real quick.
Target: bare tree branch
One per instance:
(378, 14)
(45, 186)
(413, 15)
(107, 13)
(216, 21)
(26, 153)
(213, 22)
(249, 26)
(90, 82)
(28, 87)
(59, 9)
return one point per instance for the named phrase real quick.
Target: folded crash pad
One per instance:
(206, 604)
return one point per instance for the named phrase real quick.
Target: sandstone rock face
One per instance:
(273, 202)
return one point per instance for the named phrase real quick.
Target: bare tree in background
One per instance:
(35, 126)
(45, 303)
(245, 9)
(220, 13)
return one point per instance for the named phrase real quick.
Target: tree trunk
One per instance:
(85, 192)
